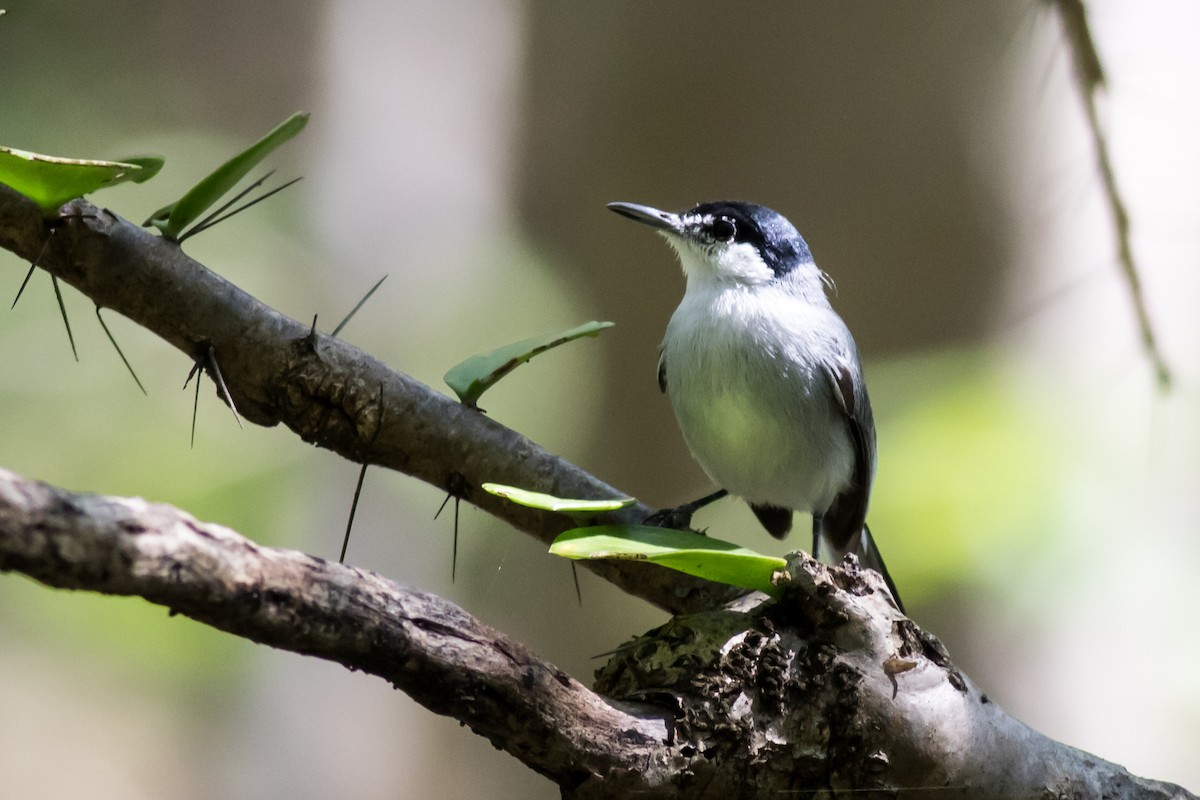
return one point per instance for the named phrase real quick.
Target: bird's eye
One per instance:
(723, 229)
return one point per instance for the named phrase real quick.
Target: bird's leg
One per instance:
(680, 517)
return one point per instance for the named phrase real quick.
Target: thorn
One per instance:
(442, 507)
(212, 360)
(108, 333)
(195, 368)
(32, 266)
(359, 305)
(196, 402)
(575, 577)
(454, 551)
(456, 486)
(309, 340)
(62, 307)
(24, 283)
(208, 222)
(362, 473)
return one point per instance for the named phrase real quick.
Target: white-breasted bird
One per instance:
(765, 378)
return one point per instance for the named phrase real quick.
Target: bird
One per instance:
(765, 378)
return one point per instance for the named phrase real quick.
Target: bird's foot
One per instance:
(678, 518)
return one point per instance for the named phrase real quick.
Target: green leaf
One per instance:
(702, 556)
(173, 219)
(471, 378)
(51, 181)
(578, 510)
(150, 165)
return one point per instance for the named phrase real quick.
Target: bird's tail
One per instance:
(863, 546)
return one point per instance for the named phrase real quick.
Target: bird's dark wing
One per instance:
(841, 526)
(662, 374)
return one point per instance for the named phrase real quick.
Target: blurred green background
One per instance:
(1035, 494)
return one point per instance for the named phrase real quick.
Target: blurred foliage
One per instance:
(968, 471)
(176, 657)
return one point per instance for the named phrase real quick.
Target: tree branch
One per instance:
(330, 393)
(441, 656)
(829, 689)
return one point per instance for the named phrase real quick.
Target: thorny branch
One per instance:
(278, 370)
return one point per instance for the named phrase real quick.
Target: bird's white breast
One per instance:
(755, 406)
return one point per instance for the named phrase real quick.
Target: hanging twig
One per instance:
(1090, 77)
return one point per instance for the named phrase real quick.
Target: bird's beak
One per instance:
(663, 220)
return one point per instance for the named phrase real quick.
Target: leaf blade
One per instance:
(51, 181)
(175, 217)
(701, 556)
(546, 502)
(472, 377)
